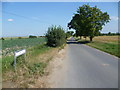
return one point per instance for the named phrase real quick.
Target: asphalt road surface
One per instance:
(87, 67)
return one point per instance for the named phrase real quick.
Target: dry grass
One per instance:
(22, 79)
(7, 38)
(106, 38)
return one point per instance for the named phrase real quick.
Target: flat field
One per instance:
(108, 39)
(11, 45)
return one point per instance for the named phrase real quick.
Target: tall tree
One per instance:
(88, 21)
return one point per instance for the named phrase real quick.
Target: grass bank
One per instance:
(30, 69)
(107, 44)
(8, 61)
(111, 48)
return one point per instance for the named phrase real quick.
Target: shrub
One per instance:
(2, 38)
(19, 37)
(55, 36)
(32, 36)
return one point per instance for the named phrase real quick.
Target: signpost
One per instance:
(18, 53)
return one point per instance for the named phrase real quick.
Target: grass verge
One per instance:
(27, 70)
(8, 61)
(111, 48)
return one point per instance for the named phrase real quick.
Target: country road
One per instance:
(86, 67)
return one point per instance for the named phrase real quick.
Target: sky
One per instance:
(34, 18)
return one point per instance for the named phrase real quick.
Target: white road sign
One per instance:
(20, 53)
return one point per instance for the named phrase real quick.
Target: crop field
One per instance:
(11, 45)
(106, 38)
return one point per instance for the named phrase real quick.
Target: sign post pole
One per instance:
(25, 57)
(16, 54)
(15, 62)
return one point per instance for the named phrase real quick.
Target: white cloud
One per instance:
(115, 18)
(10, 20)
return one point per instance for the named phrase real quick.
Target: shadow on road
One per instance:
(76, 42)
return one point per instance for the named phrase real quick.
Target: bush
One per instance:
(2, 38)
(32, 36)
(19, 37)
(55, 36)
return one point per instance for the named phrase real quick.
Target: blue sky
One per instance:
(34, 18)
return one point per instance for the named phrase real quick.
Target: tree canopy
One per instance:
(69, 34)
(88, 21)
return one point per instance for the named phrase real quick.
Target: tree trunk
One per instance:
(91, 38)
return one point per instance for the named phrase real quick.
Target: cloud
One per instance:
(10, 20)
(115, 18)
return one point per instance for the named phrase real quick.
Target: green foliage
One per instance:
(111, 48)
(69, 33)
(19, 38)
(38, 49)
(37, 68)
(88, 21)
(8, 61)
(109, 33)
(31, 36)
(2, 38)
(9, 46)
(31, 66)
(55, 36)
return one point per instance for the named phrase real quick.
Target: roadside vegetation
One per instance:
(26, 67)
(56, 36)
(88, 23)
(69, 34)
(109, 44)
(40, 50)
(9, 46)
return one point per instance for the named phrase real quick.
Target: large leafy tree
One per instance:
(88, 21)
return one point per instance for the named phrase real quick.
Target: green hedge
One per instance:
(55, 36)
